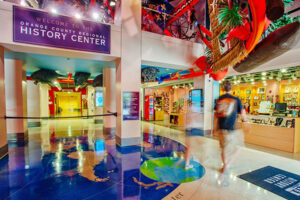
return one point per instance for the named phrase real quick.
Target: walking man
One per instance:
(227, 110)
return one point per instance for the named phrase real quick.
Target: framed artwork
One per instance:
(255, 104)
(256, 97)
(262, 97)
(261, 90)
(248, 92)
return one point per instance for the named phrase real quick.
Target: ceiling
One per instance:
(63, 65)
(66, 65)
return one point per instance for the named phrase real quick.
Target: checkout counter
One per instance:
(277, 129)
(282, 133)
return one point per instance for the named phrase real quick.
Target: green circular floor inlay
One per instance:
(172, 170)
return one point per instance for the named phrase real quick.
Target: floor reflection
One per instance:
(61, 163)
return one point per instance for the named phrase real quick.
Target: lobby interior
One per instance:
(87, 122)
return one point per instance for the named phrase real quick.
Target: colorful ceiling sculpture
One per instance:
(231, 30)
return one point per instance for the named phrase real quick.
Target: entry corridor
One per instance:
(76, 159)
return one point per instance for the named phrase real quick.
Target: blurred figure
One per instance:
(193, 127)
(247, 107)
(227, 110)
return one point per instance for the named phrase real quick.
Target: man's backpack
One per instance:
(225, 107)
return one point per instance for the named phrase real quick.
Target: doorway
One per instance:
(67, 104)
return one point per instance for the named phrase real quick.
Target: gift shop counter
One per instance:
(282, 133)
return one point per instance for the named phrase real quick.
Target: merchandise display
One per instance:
(286, 122)
(170, 103)
(278, 87)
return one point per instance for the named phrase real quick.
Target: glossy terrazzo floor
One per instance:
(74, 159)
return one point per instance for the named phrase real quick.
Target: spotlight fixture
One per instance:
(264, 73)
(77, 16)
(95, 15)
(54, 11)
(112, 3)
(23, 3)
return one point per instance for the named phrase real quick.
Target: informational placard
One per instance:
(42, 28)
(99, 98)
(131, 105)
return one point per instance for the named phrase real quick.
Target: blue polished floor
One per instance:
(82, 168)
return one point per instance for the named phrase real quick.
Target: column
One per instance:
(109, 83)
(33, 104)
(44, 100)
(206, 84)
(128, 70)
(3, 131)
(16, 99)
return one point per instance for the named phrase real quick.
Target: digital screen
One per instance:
(280, 107)
(99, 98)
(99, 147)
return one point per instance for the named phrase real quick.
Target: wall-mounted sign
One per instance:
(131, 101)
(41, 28)
(99, 98)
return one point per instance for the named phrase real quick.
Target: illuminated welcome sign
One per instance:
(40, 28)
